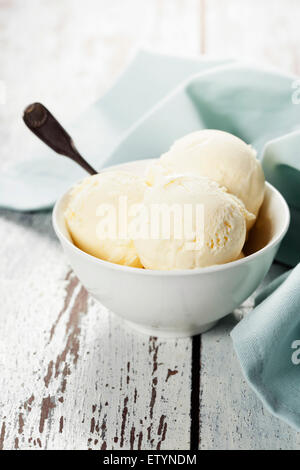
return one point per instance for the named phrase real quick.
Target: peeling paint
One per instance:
(47, 405)
(2, 436)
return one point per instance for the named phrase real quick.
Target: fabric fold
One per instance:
(267, 343)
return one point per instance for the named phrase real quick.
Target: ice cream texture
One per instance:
(220, 156)
(224, 228)
(210, 169)
(82, 215)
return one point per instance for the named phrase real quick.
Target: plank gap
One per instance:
(195, 393)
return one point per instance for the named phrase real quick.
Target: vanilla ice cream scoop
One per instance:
(220, 156)
(97, 215)
(207, 225)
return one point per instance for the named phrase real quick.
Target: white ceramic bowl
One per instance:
(180, 302)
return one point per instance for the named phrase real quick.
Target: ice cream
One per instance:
(220, 156)
(93, 215)
(156, 172)
(209, 176)
(218, 239)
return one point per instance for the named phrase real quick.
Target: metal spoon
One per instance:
(44, 125)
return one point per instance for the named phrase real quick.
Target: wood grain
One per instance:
(70, 375)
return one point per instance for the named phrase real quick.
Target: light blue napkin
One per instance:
(267, 343)
(158, 99)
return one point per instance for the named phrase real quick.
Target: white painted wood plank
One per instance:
(231, 416)
(71, 377)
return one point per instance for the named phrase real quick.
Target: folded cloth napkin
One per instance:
(267, 343)
(160, 98)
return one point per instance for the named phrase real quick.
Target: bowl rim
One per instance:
(175, 272)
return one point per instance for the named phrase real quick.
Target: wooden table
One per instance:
(70, 376)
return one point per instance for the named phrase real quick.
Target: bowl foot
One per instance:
(165, 333)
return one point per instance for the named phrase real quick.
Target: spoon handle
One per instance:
(44, 125)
